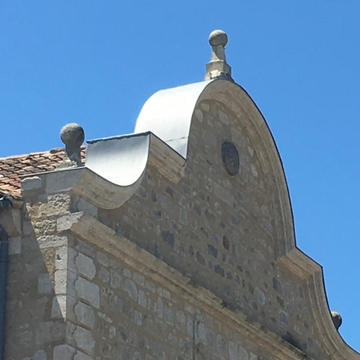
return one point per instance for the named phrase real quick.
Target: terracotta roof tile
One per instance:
(11, 168)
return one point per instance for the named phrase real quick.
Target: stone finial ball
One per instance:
(72, 135)
(336, 318)
(218, 37)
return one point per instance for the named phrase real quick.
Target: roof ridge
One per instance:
(51, 151)
(12, 167)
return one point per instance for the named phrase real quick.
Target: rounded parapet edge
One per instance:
(165, 120)
(121, 160)
(169, 113)
(104, 189)
(109, 191)
(335, 346)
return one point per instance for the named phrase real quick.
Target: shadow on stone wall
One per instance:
(34, 323)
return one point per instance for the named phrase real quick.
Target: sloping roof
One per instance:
(11, 168)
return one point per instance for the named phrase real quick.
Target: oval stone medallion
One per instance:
(230, 157)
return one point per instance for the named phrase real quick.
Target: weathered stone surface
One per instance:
(44, 284)
(103, 275)
(44, 227)
(31, 183)
(130, 287)
(83, 339)
(58, 308)
(39, 355)
(217, 243)
(102, 259)
(49, 331)
(63, 352)
(81, 356)
(85, 266)
(65, 222)
(51, 241)
(88, 291)
(61, 181)
(10, 220)
(15, 245)
(84, 314)
(61, 277)
(87, 208)
(56, 204)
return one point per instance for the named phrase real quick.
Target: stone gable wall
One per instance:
(222, 231)
(183, 270)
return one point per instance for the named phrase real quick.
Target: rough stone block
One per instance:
(61, 180)
(139, 279)
(44, 227)
(130, 287)
(49, 331)
(15, 246)
(63, 352)
(103, 275)
(61, 258)
(44, 284)
(88, 291)
(11, 221)
(260, 296)
(87, 208)
(65, 222)
(51, 241)
(84, 315)
(85, 265)
(115, 279)
(61, 281)
(39, 355)
(84, 339)
(31, 183)
(84, 248)
(58, 308)
(81, 356)
(102, 259)
(233, 353)
(27, 228)
(57, 204)
(142, 300)
(138, 318)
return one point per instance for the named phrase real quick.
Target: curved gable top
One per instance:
(180, 117)
(167, 114)
(172, 114)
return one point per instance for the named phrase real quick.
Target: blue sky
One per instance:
(96, 62)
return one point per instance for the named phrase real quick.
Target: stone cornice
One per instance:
(99, 191)
(311, 274)
(107, 195)
(168, 162)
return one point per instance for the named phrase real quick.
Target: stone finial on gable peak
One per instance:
(217, 68)
(72, 135)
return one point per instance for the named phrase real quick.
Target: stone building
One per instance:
(175, 243)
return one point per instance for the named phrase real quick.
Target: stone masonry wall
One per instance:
(222, 231)
(41, 279)
(31, 327)
(122, 314)
(70, 299)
